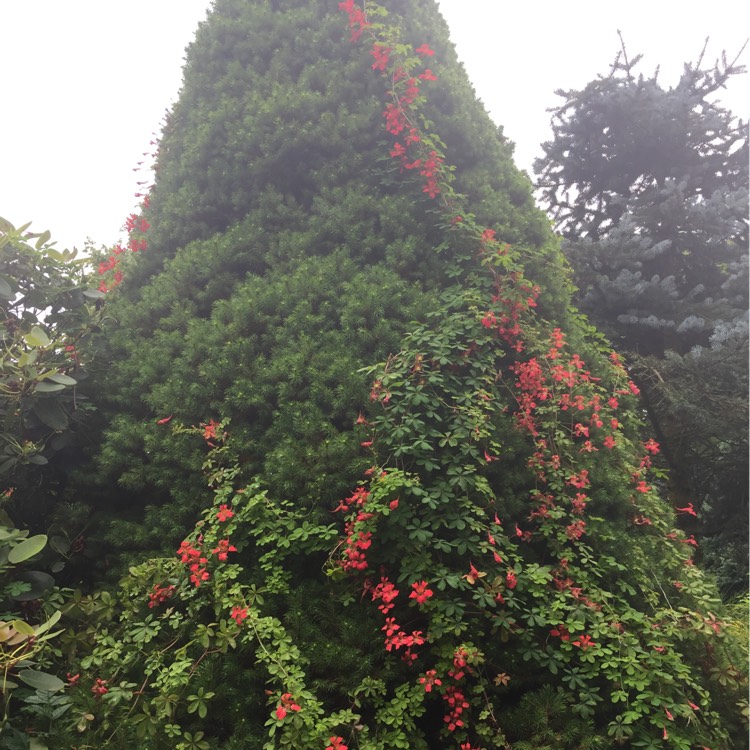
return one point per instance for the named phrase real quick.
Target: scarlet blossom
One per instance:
(474, 575)
(73, 678)
(393, 504)
(575, 530)
(510, 579)
(488, 458)
(687, 509)
(429, 680)
(424, 51)
(421, 593)
(489, 320)
(642, 487)
(690, 540)
(160, 594)
(99, 688)
(223, 549)
(361, 419)
(560, 632)
(209, 429)
(583, 642)
(224, 513)
(337, 743)
(238, 614)
(381, 55)
(609, 442)
(428, 75)
(366, 443)
(652, 446)
(165, 420)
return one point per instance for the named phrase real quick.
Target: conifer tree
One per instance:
(430, 503)
(285, 252)
(649, 187)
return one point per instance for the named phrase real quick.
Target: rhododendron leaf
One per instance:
(27, 548)
(60, 377)
(51, 413)
(41, 680)
(37, 337)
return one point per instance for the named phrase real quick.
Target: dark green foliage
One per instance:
(649, 186)
(285, 253)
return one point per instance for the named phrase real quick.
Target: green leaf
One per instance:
(37, 337)
(51, 413)
(59, 377)
(5, 291)
(48, 387)
(22, 627)
(93, 293)
(27, 548)
(44, 237)
(41, 680)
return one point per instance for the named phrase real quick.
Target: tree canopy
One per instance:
(649, 186)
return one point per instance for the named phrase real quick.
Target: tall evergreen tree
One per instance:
(649, 187)
(285, 253)
(503, 552)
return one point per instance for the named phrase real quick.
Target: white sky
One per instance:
(85, 84)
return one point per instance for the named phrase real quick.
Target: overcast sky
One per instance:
(85, 84)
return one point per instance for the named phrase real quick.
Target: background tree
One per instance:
(649, 187)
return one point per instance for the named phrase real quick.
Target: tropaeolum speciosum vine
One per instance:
(425, 539)
(509, 538)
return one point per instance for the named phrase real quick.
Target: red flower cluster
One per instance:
(457, 704)
(196, 562)
(159, 595)
(99, 688)
(287, 704)
(357, 20)
(336, 743)
(238, 614)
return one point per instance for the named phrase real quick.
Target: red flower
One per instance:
(583, 642)
(160, 594)
(99, 688)
(687, 509)
(166, 420)
(224, 513)
(430, 678)
(420, 592)
(560, 632)
(337, 743)
(424, 51)
(223, 549)
(609, 442)
(238, 614)
(651, 446)
(428, 75)
(209, 430)
(381, 55)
